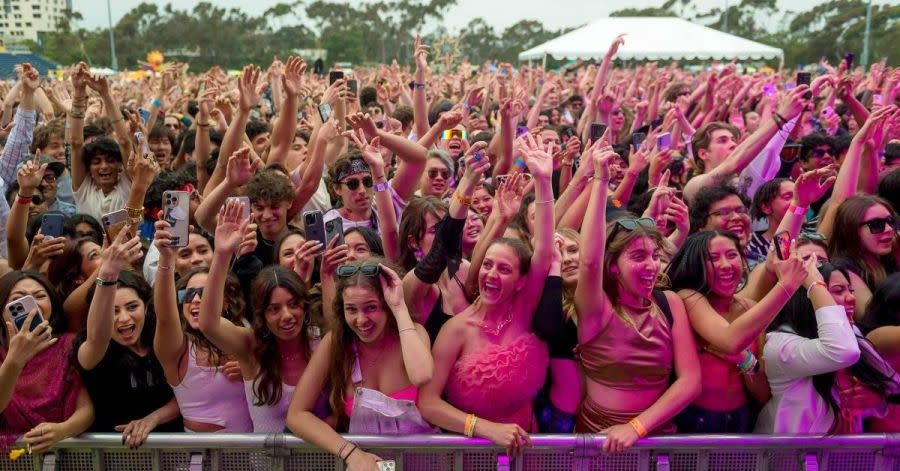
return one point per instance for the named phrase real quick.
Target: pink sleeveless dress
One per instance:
(499, 382)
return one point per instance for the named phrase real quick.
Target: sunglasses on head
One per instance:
(187, 295)
(345, 271)
(879, 225)
(353, 183)
(434, 172)
(632, 224)
(812, 236)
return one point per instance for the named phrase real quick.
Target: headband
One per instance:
(356, 166)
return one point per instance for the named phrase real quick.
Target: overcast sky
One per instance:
(553, 14)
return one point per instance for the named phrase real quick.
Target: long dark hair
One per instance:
(844, 241)
(64, 271)
(798, 317)
(617, 239)
(687, 270)
(412, 225)
(234, 311)
(56, 318)
(371, 238)
(267, 384)
(340, 363)
(884, 307)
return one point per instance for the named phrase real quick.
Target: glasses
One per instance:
(49, 178)
(345, 271)
(821, 152)
(188, 295)
(725, 212)
(632, 224)
(434, 172)
(454, 133)
(879, 225)
(353, 183)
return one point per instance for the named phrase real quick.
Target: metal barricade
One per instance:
(280, 452)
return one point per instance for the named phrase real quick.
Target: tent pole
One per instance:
(544, 62)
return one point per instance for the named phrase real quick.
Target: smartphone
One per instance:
(141, 142)
(19, 310)
(637, 139)
(176, 206)
(782, 243)
(144, 114)
(334, 76)
(315, 227)
(325, 112)
(656, 123)
(804, 78)
(386, 465)
(597, 130)
(334, 228)
(500, 179)
(848, 58)
(876, 99)
(676, 166)
(114, 222)
(52, 225)
(521, 130)
(352, 85)
(769, 90)
(663, 141)
(242, 199)
(789, 153)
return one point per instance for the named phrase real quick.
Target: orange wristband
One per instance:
(638, 427)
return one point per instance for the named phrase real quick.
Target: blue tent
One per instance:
(8, 61)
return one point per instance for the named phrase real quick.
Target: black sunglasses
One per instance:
(632, 224)
(353, 183)
(821, 152)
(187, 295)
(345, 271)
(878, 225)
(433, 173)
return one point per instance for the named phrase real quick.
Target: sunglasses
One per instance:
(632, 224)
(821, 152)
(187, 295)
(879, 225)
(345, 271)
(725, 212)
(812, 236)
(454, 133)
(353, 183)
(444, 173)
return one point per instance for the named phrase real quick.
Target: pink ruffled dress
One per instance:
(499, 382)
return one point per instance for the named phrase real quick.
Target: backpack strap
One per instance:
(659, 297)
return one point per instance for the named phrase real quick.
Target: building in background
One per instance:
(23, 19)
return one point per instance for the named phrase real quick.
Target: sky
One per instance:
(554, 14)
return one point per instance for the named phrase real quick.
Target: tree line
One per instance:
(381, 31)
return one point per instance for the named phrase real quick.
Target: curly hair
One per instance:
(706, 198)
(270, 185)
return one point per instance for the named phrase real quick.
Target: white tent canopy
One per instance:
(650, 38)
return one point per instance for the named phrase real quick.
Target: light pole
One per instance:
(112, 39)
(725, 18)
(865, 51)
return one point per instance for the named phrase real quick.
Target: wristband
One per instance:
(463, 200)
(797, 210)
(469, 429)
(24, 200)
(520, 163)
(156, 103)
(101, 282)
(813, 284)
(638, 427)
(418, 86)
(381, 186)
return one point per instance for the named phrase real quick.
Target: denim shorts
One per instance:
(696, 420)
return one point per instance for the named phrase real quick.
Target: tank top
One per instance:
(266, 418)
(207, 396)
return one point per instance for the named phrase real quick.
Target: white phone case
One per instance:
(176, 211)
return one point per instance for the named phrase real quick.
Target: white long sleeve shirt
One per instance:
(792, 361)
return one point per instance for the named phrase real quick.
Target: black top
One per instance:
(550, 323)
(436, 319)
(126, 387)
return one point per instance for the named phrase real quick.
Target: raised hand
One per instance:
(392, 288)
(614, 47)
(231, 226)
(793, 102)
(293, 77)
(248, 87)
(333, 257)
(80, 77)
(304, 258)
(239, 169)
(99, 84)
(449, 120)
(791, 272)
(143, 170)
(250, 241)
(421, 54)
(364, 122)
(122, 252)
(31, 79)
(25, 344)
(811, 186)
(30, 176)
(508, 197)
(539, 162)
(42, 249)
(370, 152)
(336, 91)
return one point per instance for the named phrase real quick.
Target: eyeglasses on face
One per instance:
(187, 295)
(49, 178)
(434, 172)
(725, 212)
(345, 271)
(353, 183)
(632, 224)
(822, 152)
(879, 225)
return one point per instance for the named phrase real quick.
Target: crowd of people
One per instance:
(486, 250)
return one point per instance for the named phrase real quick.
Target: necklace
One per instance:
(495, 331)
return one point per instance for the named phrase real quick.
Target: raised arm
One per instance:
(415, 345)
(420, 102)
(540, 163)
(120, 254)
(100, 84)
(285, 126)
(733, 337)
(234, 137)
(23, 346)
(29, 177)
(75, 123)
(169, 343)
(202, 144)
(232, 339)
(22, 133)
(238, 172)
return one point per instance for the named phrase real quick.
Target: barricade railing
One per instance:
(282, 452)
